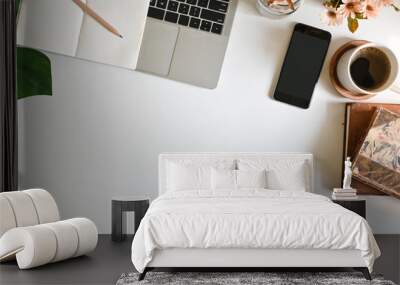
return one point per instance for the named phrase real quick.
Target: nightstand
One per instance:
(121, 204)
(358, 206)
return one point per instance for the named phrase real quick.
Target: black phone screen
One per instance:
(302, 65)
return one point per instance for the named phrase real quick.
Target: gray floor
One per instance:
(389, 262)
(103, 266)
(110, 259)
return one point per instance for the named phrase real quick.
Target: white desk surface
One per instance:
(258, 45)
(100, 134)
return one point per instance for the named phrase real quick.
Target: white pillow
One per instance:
(251, 178)
(282, 174)
(236, 179)
(293, 179)
(183, 177)
(223, 179)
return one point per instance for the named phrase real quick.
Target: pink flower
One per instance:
(371, 9)
(332, 17)
(349, 8)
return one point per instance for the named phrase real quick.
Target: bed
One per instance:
(247, 210)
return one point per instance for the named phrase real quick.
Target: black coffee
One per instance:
(371, 69)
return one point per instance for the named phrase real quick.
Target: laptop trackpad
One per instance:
(157, 47)
(198, 58)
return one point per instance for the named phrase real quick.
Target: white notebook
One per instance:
(60, 26)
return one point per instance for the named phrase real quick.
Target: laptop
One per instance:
(186, 40)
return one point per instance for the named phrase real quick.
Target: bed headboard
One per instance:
(164, 158)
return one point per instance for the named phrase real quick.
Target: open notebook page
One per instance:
(52, 25)
(98, 44)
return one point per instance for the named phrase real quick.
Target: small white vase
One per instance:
(278, 7)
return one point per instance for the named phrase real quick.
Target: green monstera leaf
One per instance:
(33, 70)
(33, 73)
(17, 4)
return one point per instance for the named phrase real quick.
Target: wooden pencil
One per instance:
(86, 9)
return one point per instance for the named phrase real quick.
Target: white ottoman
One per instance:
(33, 243)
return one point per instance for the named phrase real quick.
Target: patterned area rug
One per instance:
(253, 278)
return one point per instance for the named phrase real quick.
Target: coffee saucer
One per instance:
(333, 72)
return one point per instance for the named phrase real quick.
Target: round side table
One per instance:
(121, 204)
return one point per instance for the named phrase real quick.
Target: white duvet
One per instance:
(250, 219)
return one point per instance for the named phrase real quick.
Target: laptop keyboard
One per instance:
(206, 15)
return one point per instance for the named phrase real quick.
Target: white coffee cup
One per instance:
(344, 65)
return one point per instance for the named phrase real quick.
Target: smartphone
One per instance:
(302, 65)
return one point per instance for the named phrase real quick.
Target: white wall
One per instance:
(101, 132)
